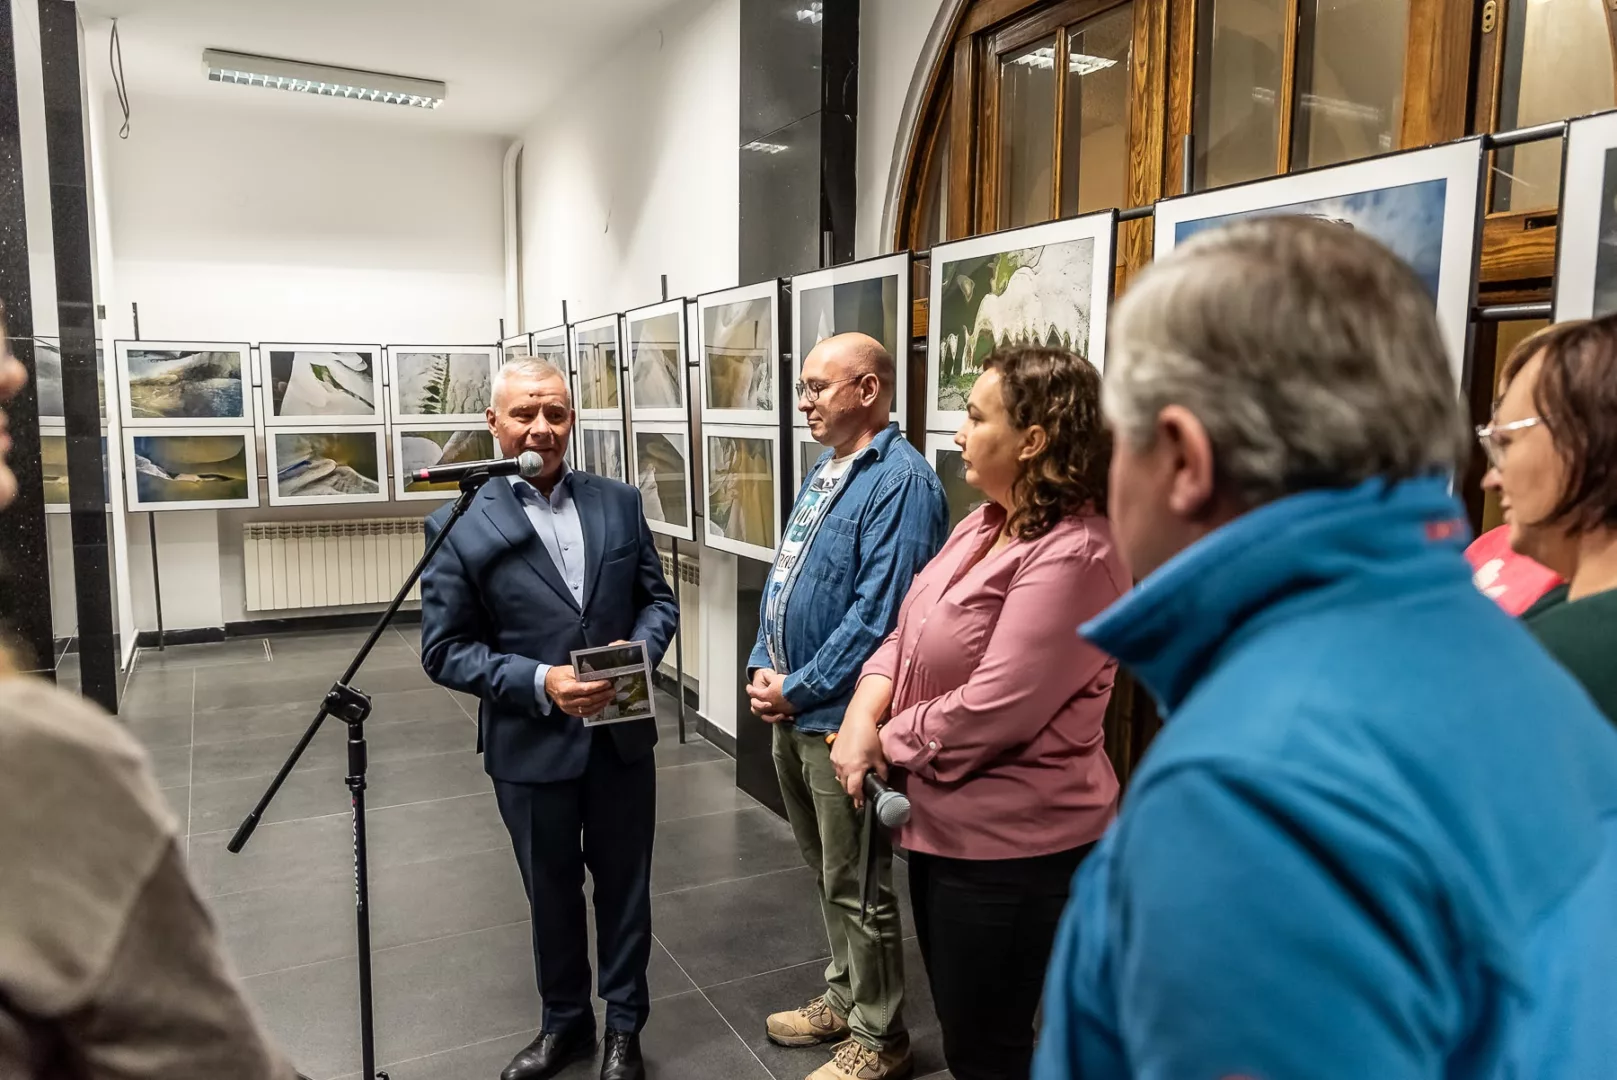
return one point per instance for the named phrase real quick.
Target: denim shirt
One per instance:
(888, 520)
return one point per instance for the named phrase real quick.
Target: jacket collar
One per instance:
(1171, 627)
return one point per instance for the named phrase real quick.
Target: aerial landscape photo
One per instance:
(191, 468)
(425, 449)
(175, 385)
(442, 383)
(327, 464)
(317, 384)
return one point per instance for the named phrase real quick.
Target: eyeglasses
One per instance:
(1488, 436)
(812, 391)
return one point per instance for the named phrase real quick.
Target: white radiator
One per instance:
(316, 564)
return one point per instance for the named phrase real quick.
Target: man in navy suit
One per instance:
(536, 569)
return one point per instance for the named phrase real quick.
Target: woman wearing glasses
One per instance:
(993, 709)
(1552, 452)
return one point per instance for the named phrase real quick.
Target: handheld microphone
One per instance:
(892, 808)
(528, 464)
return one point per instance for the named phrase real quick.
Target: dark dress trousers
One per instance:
(493, 607)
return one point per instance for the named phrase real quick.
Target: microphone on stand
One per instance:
(892, 808)
(527, 464)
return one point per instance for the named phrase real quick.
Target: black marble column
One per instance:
(75, 306)
(25, 591)
(799, 107)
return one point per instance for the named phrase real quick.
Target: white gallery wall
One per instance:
(891, 36)
(235, 219)
(631, 174)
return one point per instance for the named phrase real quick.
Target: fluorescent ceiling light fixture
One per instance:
(245, 69)
(813, 13)
(765, 147)
(1084, 64)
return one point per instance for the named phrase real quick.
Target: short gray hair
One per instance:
(1309, 352)
(531, 366)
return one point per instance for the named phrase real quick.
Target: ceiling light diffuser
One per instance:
(274, 73)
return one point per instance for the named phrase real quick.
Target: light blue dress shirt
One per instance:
(561, 530)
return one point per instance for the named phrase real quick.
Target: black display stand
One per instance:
(352, 706)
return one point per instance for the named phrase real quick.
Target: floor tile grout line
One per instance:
(744, 1044)
(348, 874)
(341, 769)
(378, 950)
(816, 961)
(726, 881)
(447, 1050)
(346, 813)
(292, 736)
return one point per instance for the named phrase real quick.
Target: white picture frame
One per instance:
(1586, 241)
(656, 392)
(598, 436)
(1047, 289)
(597, 350)
(809, 306)
(962, 498)
(339, 384)
(806, 451)
(555, 345)
(653, 490)
(187, 462)
(402, 374)
(718, 533)
(1452, 171)
(515, 345)
(53, 466)
(277, 441)
(182, 371)
(402, 487)
(745, 324)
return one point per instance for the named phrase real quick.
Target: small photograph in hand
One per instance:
(629, 670)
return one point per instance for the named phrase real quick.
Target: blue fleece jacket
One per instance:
(1377, 837)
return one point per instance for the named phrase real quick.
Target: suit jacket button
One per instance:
(584, 623)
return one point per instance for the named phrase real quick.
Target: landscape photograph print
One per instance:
(188, 471)
(331, 384)
(595, 346)
(741, 493)
(48, 378)
(326, 466)
(738, 358)
(450, 384)
(1032, 286)
(185, 382)
(1586, 250)
(950, 465)
(601, 443)
(663, 473)
(870, 297)
(415, 449)
(657, 361)
(53, 466)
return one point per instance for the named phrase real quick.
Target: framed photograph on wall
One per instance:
(517, 345)
(315, 466)
(738, 354)
(655, 341)
(807, 454)
(180, 468)
(1047, 284)
(1422, 204)
(872, 297)
(741, 490)
(596, 359)
(448, 384)
(325, 385)
(662, 471)
(48, 379)
(551, 345)
(53, 466)
(424, 446)
(1586, 242)
(195, 383)
(600, 448)
(946, 461)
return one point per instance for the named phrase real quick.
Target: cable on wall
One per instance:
(115, 58)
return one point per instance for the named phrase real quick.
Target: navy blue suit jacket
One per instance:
(494, 606)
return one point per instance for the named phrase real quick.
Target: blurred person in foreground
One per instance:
(992, 714)
(110, 967)
(870, 514)
(1552, 448)
(1377, 835)
(538, 568)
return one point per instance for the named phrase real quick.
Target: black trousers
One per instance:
(986, 928)
(604, 820)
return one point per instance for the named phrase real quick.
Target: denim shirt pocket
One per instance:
(832, 552)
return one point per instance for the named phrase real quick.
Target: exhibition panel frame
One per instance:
(458, 381)
(741, 489)
(198, 384)
(871, 296)
(1586, 239)
(662, 482)
(654, 343)
(738, 353)
(326, 460)
(327, 385)
(186, 469)
(481, 447)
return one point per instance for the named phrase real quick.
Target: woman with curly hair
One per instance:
(990, 709)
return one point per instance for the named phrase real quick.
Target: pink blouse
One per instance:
(998, 705)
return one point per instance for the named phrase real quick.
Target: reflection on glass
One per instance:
(1557, 63)
(1095, 121)
(1239, 52)
(1350, 80)
(935, 192)
(1027, 130)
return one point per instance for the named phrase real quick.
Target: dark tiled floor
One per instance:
(738, 931)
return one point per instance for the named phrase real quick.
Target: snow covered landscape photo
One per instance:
(319, 385)
(442, 383)
(335, 466)
(172, 384)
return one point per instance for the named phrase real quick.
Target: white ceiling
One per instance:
(505, 61)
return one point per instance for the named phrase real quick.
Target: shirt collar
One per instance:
(558, 494)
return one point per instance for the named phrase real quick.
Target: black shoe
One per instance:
(551, 1052)
(622, 1060)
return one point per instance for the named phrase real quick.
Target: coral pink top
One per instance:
(998, 705)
